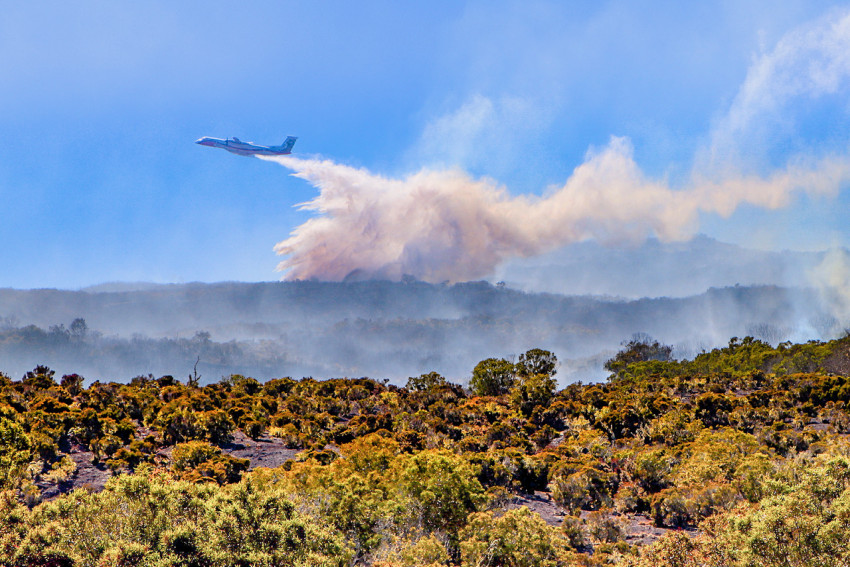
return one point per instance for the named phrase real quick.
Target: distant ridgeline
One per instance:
(739, 456)
(372, 328)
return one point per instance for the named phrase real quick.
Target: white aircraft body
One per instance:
(237, 146)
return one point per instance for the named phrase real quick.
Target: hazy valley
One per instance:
(394, 330)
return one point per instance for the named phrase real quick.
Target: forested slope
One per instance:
(737, 457)
(379, 329)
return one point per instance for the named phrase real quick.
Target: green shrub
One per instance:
(577, 486)
(516, 538)
(15, 453)
(198, 460)
(492, 377)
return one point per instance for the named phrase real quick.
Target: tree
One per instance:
(531, 391)
(198, 460)
(425, 382)
(492, 377)
(39, 378)
(79, 328)
(641, 348)
(73, 383)
(440, 487)
(537, 361)
(517, 538)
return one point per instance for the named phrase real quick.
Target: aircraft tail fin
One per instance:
(286, 146)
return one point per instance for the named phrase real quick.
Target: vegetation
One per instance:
(740, 457)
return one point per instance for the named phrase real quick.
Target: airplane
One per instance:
(237, 146)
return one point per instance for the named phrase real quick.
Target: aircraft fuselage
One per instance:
(237, 146)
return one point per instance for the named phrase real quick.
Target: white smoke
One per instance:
(806, 64)
(444, 225)
(832, 280)
(474, 135)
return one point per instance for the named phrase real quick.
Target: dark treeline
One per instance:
(93, 354)
(738, 456)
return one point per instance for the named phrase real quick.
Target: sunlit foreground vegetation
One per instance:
(741, 456)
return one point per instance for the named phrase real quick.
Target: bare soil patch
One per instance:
(264, 452)
(639, 528)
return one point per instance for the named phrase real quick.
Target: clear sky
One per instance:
(101, 102)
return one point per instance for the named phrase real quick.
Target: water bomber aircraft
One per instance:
(237, 146)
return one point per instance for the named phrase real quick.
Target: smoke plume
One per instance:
(445, 225)
(439, 225)
(832, 280)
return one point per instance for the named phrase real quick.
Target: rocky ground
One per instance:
(264, 452)
(638, 529)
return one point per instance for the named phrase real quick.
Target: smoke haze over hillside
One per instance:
(379, 329)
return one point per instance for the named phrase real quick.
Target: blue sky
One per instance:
(101, 102)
